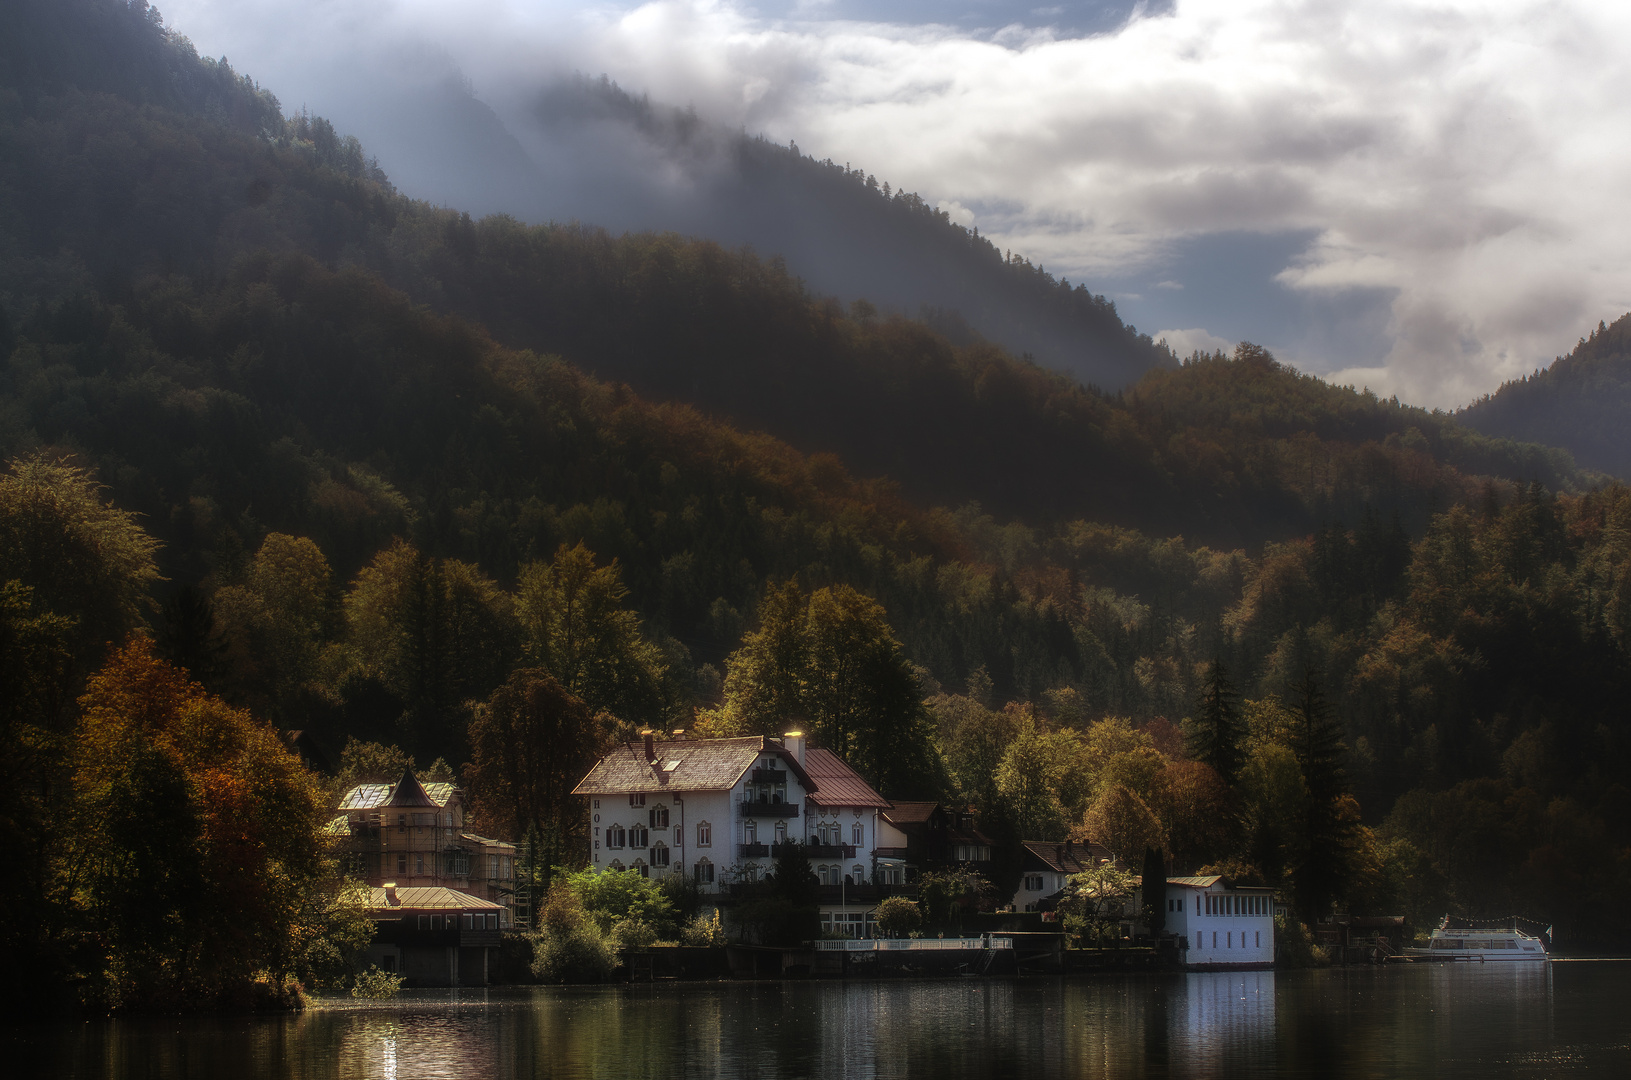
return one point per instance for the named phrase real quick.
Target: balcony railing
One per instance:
(889, 852)
(830, 851)
(770, 776)
(753, 851)
(768, 808)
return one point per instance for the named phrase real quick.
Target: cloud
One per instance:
(1466, 158)
(1185, 342)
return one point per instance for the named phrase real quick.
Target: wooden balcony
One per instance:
(769, 776)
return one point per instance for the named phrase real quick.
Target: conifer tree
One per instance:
(1154, 890)
(1217, 729)
(1328, 831)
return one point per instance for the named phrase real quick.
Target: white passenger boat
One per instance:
(1481, 945)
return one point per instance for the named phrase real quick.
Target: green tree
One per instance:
(276, 621)
(1327, 821)
(531, 743)
(1096, 900)
(435, 632)
(1122, 822)
(1218, 729)
(1153, 891)
(1036, 766)
(898, 917)
(576, 627)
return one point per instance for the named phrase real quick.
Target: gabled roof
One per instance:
(684, 765)
(426, 898)
(837, 783)
(1070, 858)
(1203, 881)
(910, 813)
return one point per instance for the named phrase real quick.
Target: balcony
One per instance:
(829, 851)
(890, 852)
(753, 851)
(864, 893)
(768, 808)
(770, 776)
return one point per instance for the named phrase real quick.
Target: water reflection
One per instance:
(1450, 1020)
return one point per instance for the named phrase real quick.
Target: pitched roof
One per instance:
(910, 813)
(837, 784)
(1203, 881)
(374, 796)
(684, 765)
(1071, 858)
(427, 898)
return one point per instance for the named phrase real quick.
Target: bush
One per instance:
(579, 954)
(705, 930)
(376, 984)
(1294, 946)
(898, 916)
(634, 934)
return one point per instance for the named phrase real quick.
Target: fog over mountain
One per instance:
(1421, 197)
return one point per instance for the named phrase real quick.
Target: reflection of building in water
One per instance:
(1221, 1018)
(433, 1042)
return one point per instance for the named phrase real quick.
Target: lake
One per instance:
(1460, 1020)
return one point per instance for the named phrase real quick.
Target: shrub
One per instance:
(376, 984)
(1294, 946)
(898, 916)
(579, 954)
(704, 930)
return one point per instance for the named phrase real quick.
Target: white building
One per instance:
(715, 809)
(1048, 867)
(1222, 925)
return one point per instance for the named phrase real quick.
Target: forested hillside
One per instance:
(337, 457)
(1580, 402)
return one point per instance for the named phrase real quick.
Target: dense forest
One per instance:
(286, 450)
(1580, 402)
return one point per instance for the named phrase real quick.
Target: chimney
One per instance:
(1070, 849)
(1059, 855)
(651, 745)
(390, 894)
(793, 741)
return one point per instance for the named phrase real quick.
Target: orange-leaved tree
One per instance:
(196, 864)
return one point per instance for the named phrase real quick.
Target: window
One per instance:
(492, 920)
(505, 866)
(424, 922)
(781, 832)
(1229, 939)
(637, 800)
(659, 817)
(615, 836)
(402, 821)
(638, 837)
(659, 854)
(705, 835)
(858, 874)
(705, 872)
(1257, 939)
(1033, 882)
(750, 831)
(458, 863)
(617, 864)
(492, 866)
(469, 921)
(641, 867)
(402, 863)
(821, 875)
(1198, 939)
(857, 834)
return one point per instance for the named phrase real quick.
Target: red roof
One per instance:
(1071, 858)
(837, 784)
(910, 813)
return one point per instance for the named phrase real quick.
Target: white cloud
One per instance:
(1185, 342)
(1470, 155)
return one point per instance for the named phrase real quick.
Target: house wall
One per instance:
(1228, 935)
(1025, 898)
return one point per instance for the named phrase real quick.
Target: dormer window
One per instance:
(637, 800)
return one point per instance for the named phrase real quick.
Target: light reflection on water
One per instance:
(1447, 1020)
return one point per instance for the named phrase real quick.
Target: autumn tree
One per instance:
(1122, 822)
(195, 856)
(1200, 811)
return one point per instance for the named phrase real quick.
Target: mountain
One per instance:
(231, 319)
(1582, 402)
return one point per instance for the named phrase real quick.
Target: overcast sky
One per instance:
(1425, 198)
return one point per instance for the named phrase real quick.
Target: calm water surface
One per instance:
(1513, 1020)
